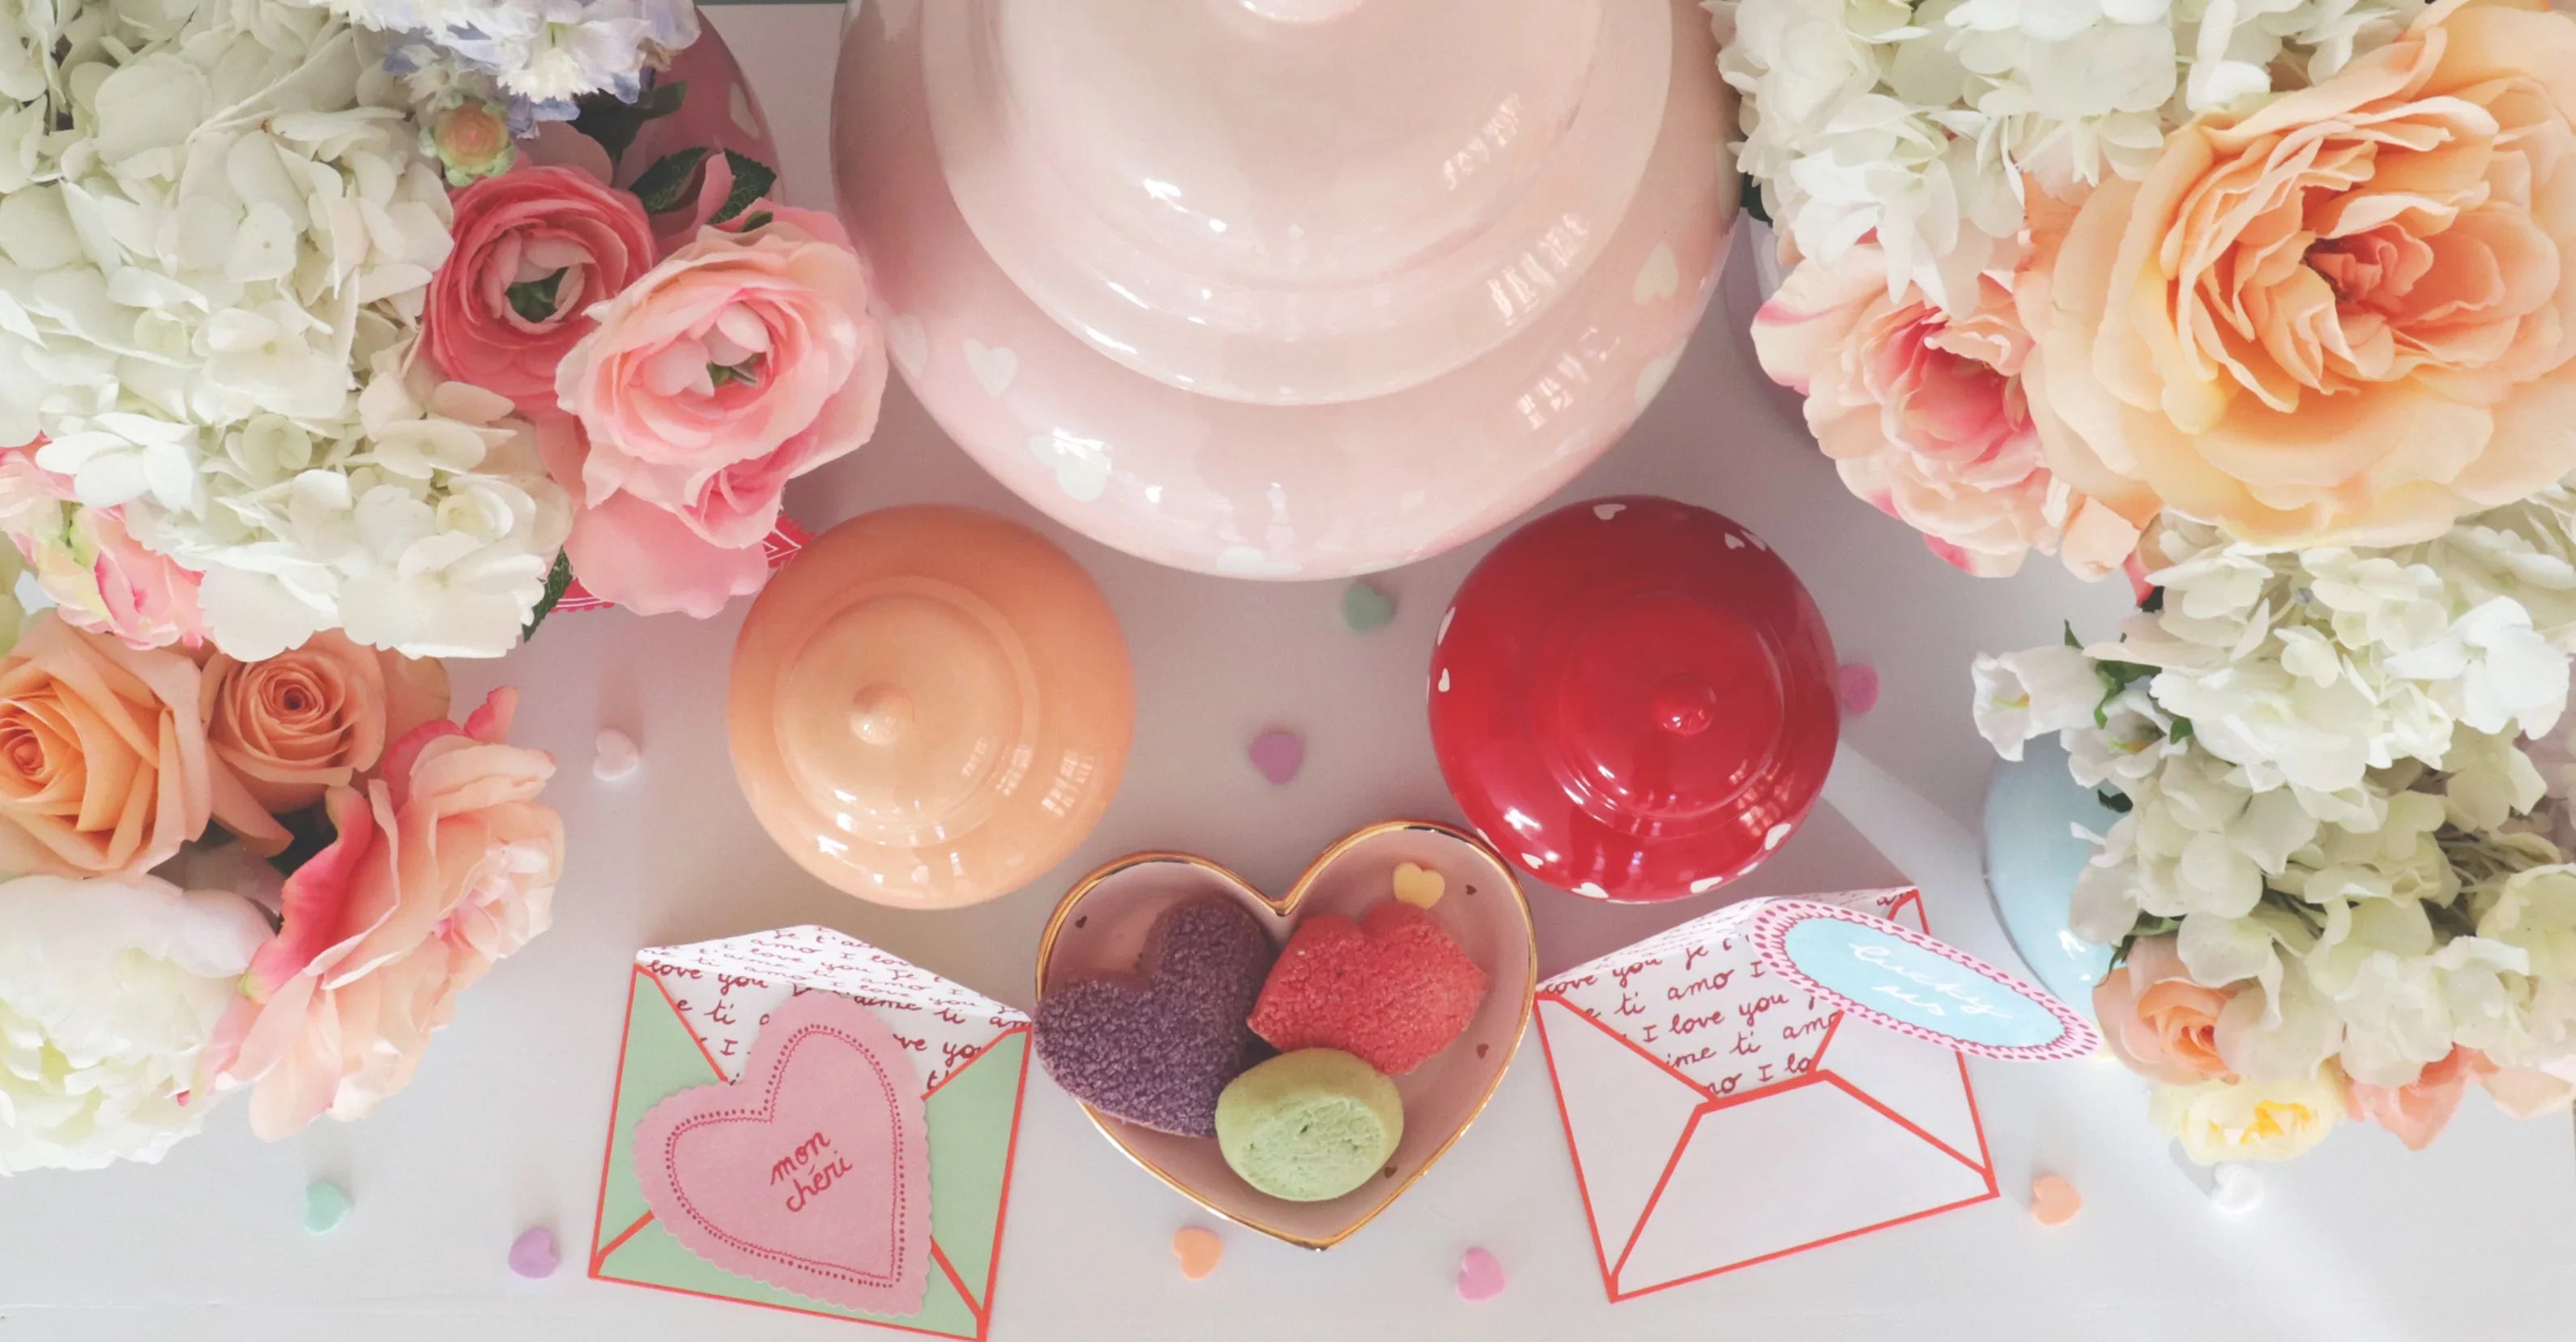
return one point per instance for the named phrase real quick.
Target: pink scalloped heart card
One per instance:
(810, 1170)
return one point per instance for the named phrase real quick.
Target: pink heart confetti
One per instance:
(1480, 1277)
(1278, 755)
(1856, 684)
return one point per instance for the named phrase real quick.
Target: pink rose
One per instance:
(447, 863)
(2419, 1110)
(1925, 418)
(2159, 1022)
(104, 765)
(99, 576)
(536, 249)
(315, 717)
(742, 361)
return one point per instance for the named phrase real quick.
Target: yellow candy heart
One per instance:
(1418, 887)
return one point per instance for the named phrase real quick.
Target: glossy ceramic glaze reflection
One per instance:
(1632, 698)
(930, 706)
(2033, 858)
(1101, 925)
(1285, 288)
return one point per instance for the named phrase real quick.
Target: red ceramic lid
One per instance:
(1632, 698)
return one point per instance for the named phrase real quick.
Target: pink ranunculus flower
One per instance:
(1925, 418)
(536, 249)
(100, 577)
(446, 863)
(745, 359)
(2418, 1111)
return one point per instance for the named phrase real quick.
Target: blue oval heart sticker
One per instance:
(1906, 981)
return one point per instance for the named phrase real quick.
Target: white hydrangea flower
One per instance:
(542, 53)
(2310, 668)
(108, 992)
(209, 287)
(2339, 766)
(2038, 692)
(1925, 125)
(428, 526)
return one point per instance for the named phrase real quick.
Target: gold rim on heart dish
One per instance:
(1284, 907)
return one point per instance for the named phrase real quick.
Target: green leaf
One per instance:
(760, 220)
(665, 186)
(535, 299)
(2071, 640)
(752, 179)
(1750, 197)
(2181, 729)
(673, 182)
(615, 124)
(556, 583)
(2145, 927)
(2115, 677)
(2114, 800)
(2155, 602)
(746, 371)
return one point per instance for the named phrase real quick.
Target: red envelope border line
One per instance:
(1712, 1104)
(981, 1310)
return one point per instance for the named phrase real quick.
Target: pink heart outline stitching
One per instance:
(825, 1018)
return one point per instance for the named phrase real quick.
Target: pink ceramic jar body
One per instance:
(1260, 451)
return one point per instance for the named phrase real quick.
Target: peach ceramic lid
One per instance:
(930, 706)
(1294, 202)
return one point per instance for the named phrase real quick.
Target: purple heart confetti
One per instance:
(533, 1255)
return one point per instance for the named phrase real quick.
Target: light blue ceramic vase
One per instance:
(2032, 860)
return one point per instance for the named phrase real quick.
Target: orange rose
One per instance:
(2347, 316)
(2155, 1019)
(314, 717)
(104, 769)
(446, 863)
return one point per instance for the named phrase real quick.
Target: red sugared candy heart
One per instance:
(1394, 988)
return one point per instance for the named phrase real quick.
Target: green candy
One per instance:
(1366, 607)
(325, 1207)
(1309, 1126)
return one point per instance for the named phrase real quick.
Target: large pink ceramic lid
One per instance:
(1294, 201)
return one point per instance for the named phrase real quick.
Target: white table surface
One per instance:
(503, 1128)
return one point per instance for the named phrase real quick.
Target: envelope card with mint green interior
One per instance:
(787, 1102)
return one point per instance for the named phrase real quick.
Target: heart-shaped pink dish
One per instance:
(1102, 924)
(811, 1171)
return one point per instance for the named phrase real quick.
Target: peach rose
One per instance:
(104, 769)
(99, 576)
(1925, 418)
(2159, 1022)
(743, 360)
(445, 864)
(536, 250)
(314, 717)
(2419, 1110)
(2345, 317)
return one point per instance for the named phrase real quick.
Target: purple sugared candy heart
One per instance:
(1157, 1048)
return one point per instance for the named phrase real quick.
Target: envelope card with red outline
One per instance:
(693, 1016)
(1721, 1117)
